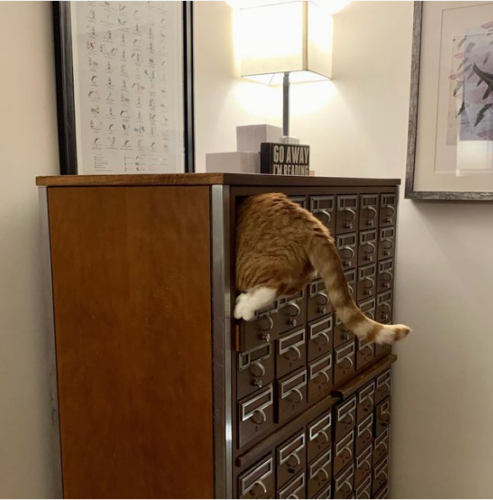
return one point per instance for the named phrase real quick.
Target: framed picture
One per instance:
(124, 86)
(450, 143)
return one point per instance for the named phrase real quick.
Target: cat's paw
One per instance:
(241, 298)
(243, 309)
(392, 333)
(240, 305)
(244, 312)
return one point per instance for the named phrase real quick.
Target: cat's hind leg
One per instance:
(249, 302)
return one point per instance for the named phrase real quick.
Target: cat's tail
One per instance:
(325, 259)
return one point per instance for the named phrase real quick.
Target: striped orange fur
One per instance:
(281, 247)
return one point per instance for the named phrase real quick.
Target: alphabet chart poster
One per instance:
(128, 86)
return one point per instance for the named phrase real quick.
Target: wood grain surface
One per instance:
(131, 280)
(209, 179)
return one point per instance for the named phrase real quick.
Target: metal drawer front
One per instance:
(366, 401)
(319, 473)
(320, 377)
(347, 246)
(319, 435)
(291, 352)
(258, 482)
(368, 215)
(292, 394)
(291, 458)
(255, 370)
(347, 213)
(256, 415)
(320, 338)
(323, 208)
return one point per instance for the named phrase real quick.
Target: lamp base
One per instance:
(286, 139)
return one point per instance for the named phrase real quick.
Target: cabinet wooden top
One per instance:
(209, 179)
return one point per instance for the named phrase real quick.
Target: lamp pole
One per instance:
(285, 105)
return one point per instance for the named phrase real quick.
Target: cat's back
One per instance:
(274, 216)
(272, 209)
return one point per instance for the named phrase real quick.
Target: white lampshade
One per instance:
(292, 37)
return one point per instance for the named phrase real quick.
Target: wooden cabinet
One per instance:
(160, 393)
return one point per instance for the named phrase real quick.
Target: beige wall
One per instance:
(357, 125)
(28, 147)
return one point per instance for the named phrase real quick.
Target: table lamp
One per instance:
(286, 42)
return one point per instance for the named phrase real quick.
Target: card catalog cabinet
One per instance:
(159, 393)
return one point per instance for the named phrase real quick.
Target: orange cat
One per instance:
(281, 247)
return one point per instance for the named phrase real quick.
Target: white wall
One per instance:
(28, 147)
(357, 126)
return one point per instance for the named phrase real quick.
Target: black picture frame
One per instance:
(65, 88)
(410, 191)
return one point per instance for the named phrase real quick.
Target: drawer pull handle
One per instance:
(382, 472)
(256, 486)
(299, 395)
(372, 245)
(383, 384)
(265, 336)
(351, 211)
(373, 210)
(326, 377)
(259, 417)
(325, 298)
(369, 222)
(384, 445)
(326, 214)
(345, 421)
(350, 249)
(295, 350)
(365, 466)
(390, 241)
(257, 369)
(350, 362)
(321, 336)
(270, 323)
(346, 484)
(293, 461)
(346, 451)
(390, 207)
(385, 416)
(387, 306)
(296, 307)
(324, 435)
(325, 473)
(365, 431)
(367, 393)
(389, 274)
